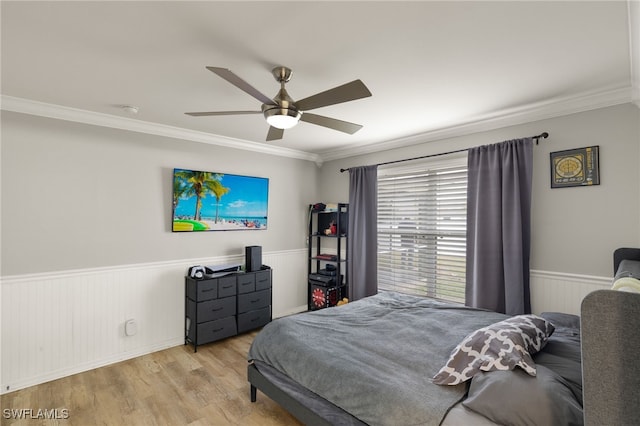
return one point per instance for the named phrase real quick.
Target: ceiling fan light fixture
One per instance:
(282, 118)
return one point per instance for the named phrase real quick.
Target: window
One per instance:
(422, 229)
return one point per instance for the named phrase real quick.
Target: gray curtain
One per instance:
(362, 245)
(499, 226)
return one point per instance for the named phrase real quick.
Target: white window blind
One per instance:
(422, 229)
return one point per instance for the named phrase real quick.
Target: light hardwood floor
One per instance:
(171, 387)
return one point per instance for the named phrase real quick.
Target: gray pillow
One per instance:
(503, 345)
(569, 369)
(515, 398)
(559, 319)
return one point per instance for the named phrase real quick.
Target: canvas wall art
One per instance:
(211, 201)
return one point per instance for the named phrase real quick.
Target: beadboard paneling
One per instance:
(58, 324)
(62, 323)
(559, 292)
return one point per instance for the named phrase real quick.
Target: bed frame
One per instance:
(303, 404)
(610, 365)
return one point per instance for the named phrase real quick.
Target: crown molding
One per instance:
(509, 117)
(552, 108)
(42, 109)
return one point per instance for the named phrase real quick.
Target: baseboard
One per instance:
(296, 310)
(81, 368)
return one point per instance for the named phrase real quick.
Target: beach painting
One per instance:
(210, 201)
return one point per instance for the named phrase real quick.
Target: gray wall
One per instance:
(77, 196)
(575, 230)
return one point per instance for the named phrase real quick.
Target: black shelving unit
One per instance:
(327, 265)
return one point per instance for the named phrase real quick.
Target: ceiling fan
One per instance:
(282, 112)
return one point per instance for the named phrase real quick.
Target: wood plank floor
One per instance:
(171, 387)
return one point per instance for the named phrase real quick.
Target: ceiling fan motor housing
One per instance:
(283, 115)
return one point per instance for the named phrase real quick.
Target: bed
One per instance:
(373, 362)
(376, 361)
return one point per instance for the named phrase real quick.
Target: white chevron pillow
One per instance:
(503, 345)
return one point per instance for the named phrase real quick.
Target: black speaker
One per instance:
(253, 258)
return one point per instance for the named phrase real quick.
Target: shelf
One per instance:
(329, 236)
(327, 211)
(340, 286)
(328, 260)
(336, 243)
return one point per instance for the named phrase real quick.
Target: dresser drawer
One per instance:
(255, 300)
(216, 330)
(246, 283)
(263, 280)
(200, 290)
(222, 306)
(227, 286)
(254, 319)
(216, 309)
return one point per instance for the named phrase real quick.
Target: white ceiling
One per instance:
(433, 67)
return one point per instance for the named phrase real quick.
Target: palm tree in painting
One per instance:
(199, 185)
(218, 193)
(179, 189)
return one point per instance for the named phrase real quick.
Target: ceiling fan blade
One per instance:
(204, 113)
(274, 133)
(347, 92)
(241, 84)
(331, 123)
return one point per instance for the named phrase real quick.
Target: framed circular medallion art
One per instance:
(575, 167)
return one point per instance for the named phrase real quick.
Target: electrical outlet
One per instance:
(130, 327)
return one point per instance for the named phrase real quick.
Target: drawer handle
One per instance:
(255, 319)
(216, 309)
(206, 290)
(227, 286)
(255, 301)
(218, 329)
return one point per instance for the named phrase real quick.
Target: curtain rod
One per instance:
(542, 135)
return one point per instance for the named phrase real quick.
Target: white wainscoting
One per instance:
(559, 292)
(62, 323)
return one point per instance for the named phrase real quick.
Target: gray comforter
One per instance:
(353, 359)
